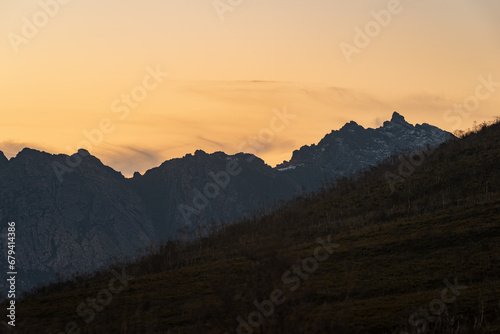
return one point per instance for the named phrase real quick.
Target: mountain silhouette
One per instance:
(77, 222)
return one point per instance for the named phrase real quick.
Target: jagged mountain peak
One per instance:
(398, 118)
(100, 212)
(83, 152)
(201, 156)
(353, 148)
(352, 125)
(30, 152)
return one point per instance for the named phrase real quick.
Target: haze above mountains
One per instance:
(96, 213)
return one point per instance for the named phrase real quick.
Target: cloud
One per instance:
(220, 116)
(10, 147)
(218, 144)
(129, 159)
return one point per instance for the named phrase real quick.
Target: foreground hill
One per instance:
(412, 245)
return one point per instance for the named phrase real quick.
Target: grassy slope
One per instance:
(396, 249)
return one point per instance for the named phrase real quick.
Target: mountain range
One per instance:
(95, 213)
(357, 256)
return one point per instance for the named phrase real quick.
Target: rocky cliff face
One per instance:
(95, 214)
(76, 225)
(354, 148)
(4, 162)
(199, 189)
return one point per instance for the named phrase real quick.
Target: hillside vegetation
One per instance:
(422, 258)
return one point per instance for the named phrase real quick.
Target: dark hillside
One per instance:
(414, 246)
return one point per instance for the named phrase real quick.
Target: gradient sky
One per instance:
(228, 77)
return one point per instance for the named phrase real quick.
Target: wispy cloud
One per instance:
(220, 115)
(10, 147)
(217, 144)
(129, 159)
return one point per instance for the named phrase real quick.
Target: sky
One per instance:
(140, 82)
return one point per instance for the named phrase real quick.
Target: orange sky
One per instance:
(227, 78)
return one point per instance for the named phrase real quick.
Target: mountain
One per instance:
(356, 257)
(4, 162)
(196, 190)
(76, 218)
(175, 192)
(353, 148)
(72, 226)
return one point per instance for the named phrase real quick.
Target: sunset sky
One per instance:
(230, 72)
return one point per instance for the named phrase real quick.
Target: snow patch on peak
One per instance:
(286, 168)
